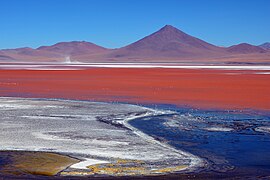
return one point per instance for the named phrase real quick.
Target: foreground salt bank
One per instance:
(98, 134)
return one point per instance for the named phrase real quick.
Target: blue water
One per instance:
(242, 149)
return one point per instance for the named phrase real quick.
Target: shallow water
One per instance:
(233, 143)
(88, 130)
(229, 141)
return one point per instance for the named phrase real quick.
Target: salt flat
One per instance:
(85, 130)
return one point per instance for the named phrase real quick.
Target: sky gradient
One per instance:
(116, 23)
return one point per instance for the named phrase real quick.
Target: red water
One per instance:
(196, 88)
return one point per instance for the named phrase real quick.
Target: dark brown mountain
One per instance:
(265, 46)
(168, 42)
(245, 48)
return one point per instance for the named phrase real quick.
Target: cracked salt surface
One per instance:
(219, 129)
(263, 129)
(74, 127)
(88, 162)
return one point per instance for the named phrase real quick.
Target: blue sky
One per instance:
(115, 23)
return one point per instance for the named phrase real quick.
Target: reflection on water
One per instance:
(231, 142)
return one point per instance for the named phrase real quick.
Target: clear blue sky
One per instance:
(115, 23)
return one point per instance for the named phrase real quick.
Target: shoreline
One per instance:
(196, 161)
(81, 66)
(150, 112)
(191, 173)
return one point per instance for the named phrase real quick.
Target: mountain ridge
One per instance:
(265, 46)
(73, 48)
(168, 43)
(245, 48)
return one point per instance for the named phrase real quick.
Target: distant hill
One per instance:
(265, 46)
(168, 44)
(5, 58)
(56, 52)
(245, 48)
(28, 54)
(73, 48)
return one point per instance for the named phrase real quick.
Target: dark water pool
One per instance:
(231, 142)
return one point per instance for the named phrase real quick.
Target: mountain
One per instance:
(73, 48)
(26, 51)
(56, 52)
(245, 48)
(168, 42)
(4, 57)
(265, 46)
(27, 54)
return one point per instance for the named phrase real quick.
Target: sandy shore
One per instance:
(23, 163)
